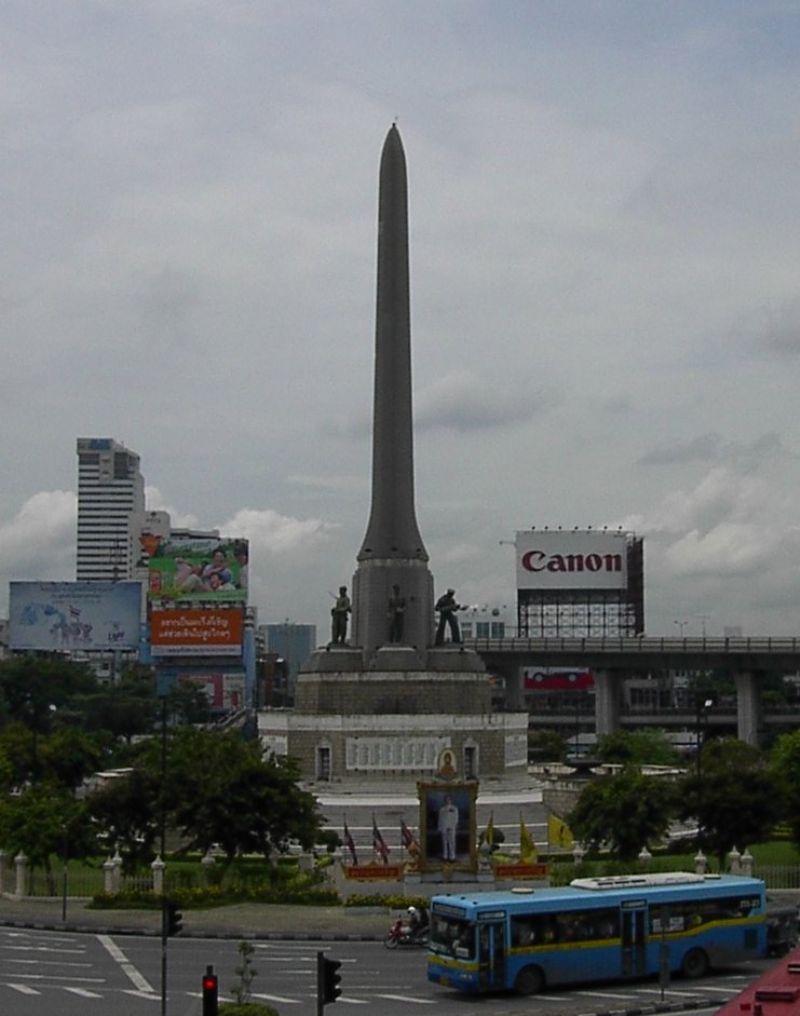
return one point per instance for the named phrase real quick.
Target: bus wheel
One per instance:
(695, 964)
(530, 981)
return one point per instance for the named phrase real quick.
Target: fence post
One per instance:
(734, 862)
(21, 862)
(2, 871)
(700, 863)
(108, 876)
(116, 873)
(208, 863)
(157, 867)
(747, 862)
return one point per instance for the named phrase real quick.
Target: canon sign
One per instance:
(538, 560)
(571, 560)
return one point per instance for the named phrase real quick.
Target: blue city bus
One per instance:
(619, 927)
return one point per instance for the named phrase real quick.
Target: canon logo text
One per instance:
(539, 561)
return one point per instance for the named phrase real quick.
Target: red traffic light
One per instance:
(210, 982)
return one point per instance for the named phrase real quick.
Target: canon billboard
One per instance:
(582, 559)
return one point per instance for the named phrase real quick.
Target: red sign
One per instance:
(557, 679)
(373, 871)
(196, 632)
(534, 870)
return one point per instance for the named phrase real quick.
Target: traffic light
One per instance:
(210, 990)
(328, 979)
(174, 919)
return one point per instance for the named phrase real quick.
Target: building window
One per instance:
(323, 762)
(470, 762)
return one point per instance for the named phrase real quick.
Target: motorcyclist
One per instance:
(417, 922)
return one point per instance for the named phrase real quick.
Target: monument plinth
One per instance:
(388, 701)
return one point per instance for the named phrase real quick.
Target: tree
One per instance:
(624, 812)
(69, 755)
(641, 747)
(784, 767)
(127, 816)
(222, 790)
(39, 821)
(731, 794)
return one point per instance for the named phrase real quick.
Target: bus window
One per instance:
(453, 936)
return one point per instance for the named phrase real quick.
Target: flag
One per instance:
(348, 842)
(378, 843)
(527, 848)
(559, 833)
(406, 836)
(489, 834)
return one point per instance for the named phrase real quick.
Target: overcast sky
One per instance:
(604, 209)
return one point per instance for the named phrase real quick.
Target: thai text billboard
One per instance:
(196, 631)
(552, 561)
(64, 616)
(196, 568)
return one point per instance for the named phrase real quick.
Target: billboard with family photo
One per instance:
(195, 568)
(447, 825)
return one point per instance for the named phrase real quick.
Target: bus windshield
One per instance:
(452, 936)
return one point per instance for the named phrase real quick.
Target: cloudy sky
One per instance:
(604, 209)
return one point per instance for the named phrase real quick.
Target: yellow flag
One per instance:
(559, 833)
(527, 848)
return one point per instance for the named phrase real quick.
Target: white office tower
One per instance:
(110, 510)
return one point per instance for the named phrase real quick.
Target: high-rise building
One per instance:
(110, 509)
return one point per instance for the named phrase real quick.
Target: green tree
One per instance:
(640, 747)
(546, 746)
(222, 790)
(732, 795)
(624, 812)
(126, 815)
(37, 823)
(69, 755)
(784, 767)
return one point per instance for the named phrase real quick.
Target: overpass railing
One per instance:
(636, 645)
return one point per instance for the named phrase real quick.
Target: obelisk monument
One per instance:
(392, 553)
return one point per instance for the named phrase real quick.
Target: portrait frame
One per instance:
(432, 798)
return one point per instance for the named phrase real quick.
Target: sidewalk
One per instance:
(241, 920)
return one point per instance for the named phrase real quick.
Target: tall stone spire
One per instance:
(392, 552)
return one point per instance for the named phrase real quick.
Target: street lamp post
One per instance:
(681, 625)
(703, 706)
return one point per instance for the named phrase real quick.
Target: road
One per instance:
(81, 974)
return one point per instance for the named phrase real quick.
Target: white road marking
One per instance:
(671, 991)
(56, 977)
(114, 951)
(82, 992)
(23, 989)
(278, 998)
(408, 998)
(602, 994)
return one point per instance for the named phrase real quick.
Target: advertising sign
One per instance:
(195, 631)
(223, 690)
(196, 568)
(557, 679)
(74, 615)
(552, 561)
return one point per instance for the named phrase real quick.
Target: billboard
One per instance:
(61, 616)
(557, 679)
(223, 690)
(588, 560)
(196, 631)
(196, 568)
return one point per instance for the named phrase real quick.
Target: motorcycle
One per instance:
(402, 934)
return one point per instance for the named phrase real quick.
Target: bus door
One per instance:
(634, 931)
(491, 954)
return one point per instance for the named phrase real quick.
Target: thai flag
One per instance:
(406, 836)
(348, 842)
(378, 843)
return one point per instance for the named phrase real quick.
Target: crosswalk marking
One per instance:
(408, 998)
(82, 992)
(23, 989)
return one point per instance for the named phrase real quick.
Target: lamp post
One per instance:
(681, 625)
(703, 706)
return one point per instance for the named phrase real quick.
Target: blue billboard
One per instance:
(65, 616)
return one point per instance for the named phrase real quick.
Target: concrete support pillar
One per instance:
(108, 876)
(606, 705)
(748, 708)
(2, 871)
(116, 873)
(515, 699)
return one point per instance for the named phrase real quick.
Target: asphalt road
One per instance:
(80, 974)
